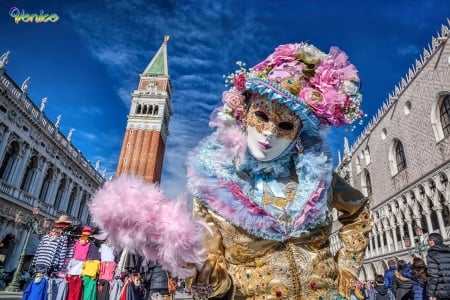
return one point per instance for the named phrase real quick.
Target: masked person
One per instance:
(263, 182)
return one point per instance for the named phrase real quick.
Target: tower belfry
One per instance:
(144, 143)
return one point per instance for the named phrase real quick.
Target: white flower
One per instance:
(349, 87)
(311, 54)
(226, 117)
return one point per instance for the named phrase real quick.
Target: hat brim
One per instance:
(275, 92)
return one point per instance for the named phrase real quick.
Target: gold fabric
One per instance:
(243, 266)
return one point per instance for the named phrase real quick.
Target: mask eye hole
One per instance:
(261, 116)
(286, 125)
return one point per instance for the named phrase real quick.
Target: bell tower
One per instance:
(144, 143)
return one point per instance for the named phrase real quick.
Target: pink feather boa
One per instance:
(138, 217)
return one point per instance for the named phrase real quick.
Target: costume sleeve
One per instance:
(354, 234)
(214, 269)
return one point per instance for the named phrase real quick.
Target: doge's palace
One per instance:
(401, 161)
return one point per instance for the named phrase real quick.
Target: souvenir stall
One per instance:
(75, 263)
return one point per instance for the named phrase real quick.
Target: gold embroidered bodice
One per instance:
(244, 266)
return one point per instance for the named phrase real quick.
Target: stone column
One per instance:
(402, 233)
(387, 232)
(372, 250)
(4, 143)
(66, 195)
(22, 166)
(50, 198)
(377, 247)
(39, 178)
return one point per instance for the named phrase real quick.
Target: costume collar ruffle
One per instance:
(217, 184)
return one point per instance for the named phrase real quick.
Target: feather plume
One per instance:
(138, 217)
(234, 141)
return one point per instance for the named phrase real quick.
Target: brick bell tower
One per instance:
(144, 143)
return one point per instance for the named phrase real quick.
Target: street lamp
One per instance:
(32, 226)
(420, 246)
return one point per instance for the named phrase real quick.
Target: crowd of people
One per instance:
(414, 280)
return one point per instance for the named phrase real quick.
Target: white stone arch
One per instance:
(370, 271)
(367, 155)
(362, 273)
(435, 115)
(366, 184)
(392, 156)
(358, 164)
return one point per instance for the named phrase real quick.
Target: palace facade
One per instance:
(41, 173)
(401, 161)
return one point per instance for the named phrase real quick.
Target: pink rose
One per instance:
(327, 76)
(232, 98)
(335, 115)
(314, 99)
(287, 52)
(239, 82)
(239, 112)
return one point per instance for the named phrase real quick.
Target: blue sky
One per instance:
(88, 62)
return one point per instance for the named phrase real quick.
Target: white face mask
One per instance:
(265, 146)
(271, 128)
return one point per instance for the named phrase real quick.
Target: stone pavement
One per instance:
(13, 296)
(10, 295)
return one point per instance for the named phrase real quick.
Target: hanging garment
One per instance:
(36, 290)
(89, 288)
(81, 250)
(57, 289)
(116, 286)
(51, 252)
(75, 287)
(91, 268)
(75, 267)
(135, 292)
(107, 270)
(94, 252)
(102, 289)
(106, 252)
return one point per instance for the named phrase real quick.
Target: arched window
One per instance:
(155, 112)
(367, 155)
(60, 193)
(45, 189)
(444, 115)
(72, 197)
(150, 110)
(82, 207)
(358, 165)
(10, 161)
(138, 109)
(366, 184)
(144, 111)
(400, 158)
(30, 173)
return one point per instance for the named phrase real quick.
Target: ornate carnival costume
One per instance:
(271, 216)
(263, 188)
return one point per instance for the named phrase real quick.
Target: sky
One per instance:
(88, 62)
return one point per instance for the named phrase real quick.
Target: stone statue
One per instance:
(4, 60)
(58, 119)
(97, 165)
(69, 136)
(43, 102)
(25, 84)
